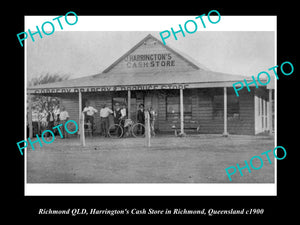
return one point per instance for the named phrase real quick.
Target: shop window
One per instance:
(233, 107)
(173, 107)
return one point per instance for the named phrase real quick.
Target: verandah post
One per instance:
(270, 111)
(82, 135)
(29, 115)
(181, 112)
(147, 128)
(129, 104)
(225, 133)
(81, 120)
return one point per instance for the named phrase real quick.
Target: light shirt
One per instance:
(104, 112)
(123, 113)
(90, 110)
(63, 115)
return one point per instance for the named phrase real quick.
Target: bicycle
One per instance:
(132, 129)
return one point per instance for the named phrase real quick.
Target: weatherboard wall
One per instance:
(202, 110)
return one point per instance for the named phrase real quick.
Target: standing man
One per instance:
(50, 118)
(89, 114)
(117, 115)
(104, 122)
(123, 117)
(141, 114)
(56, 112)
(63, 116)
(141, 118)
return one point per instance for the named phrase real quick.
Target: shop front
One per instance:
(180, 90)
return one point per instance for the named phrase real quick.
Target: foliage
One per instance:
(45, 102)
(46, 79)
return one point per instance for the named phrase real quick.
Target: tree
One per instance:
(46, 79)
(40, 102)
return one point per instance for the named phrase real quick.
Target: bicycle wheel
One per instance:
(138, 130)
(115, 131)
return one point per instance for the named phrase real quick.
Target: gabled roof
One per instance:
(191, 62)
(199, 76)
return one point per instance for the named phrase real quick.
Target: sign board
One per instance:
(108, 88)
(149, 60)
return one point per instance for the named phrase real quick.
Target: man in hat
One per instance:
(104, 122)
(123, 118)
(120, 115)
(141, 118)
(117, 113)
(141, 114)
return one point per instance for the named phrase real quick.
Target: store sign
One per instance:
(108, 88)
(149, 60)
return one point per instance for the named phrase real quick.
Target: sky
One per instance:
(85, 53)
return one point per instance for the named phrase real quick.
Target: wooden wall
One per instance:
(202, 110)
(71, 103)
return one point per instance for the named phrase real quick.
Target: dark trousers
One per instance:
(104, 125)
(141, 129)
(50, 126)
(63, 130)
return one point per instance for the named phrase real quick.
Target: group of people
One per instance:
(51, 115)
(119, 116)
(89, 111)
(47, 117)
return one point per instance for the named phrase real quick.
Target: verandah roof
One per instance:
(197, 78)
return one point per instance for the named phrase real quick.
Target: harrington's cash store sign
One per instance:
(149, 60)
(150, 56)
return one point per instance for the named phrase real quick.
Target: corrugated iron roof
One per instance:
(119, 79)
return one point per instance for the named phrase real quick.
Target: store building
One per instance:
(180, 90)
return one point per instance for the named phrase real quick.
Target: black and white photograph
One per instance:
(141, 111)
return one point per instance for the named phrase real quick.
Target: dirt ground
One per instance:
(192, 159)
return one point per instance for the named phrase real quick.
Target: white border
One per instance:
(147, 189)
(153, 23)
